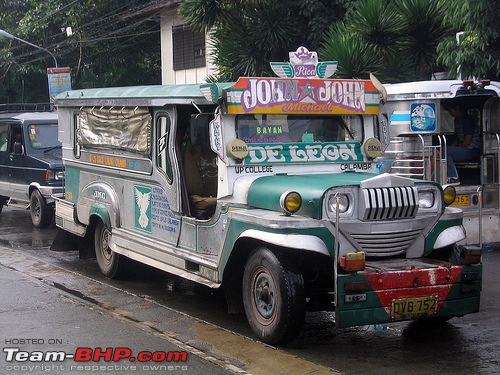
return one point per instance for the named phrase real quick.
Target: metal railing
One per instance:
(26, 107)
(416, 156)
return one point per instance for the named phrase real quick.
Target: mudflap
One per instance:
(64, 241)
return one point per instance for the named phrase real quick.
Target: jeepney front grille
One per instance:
(386, 244)
(400, 202)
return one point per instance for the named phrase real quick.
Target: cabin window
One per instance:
(122, 128)
(4, 137)
(163, 161)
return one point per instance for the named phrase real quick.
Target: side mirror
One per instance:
(199, 133)
(77, 150)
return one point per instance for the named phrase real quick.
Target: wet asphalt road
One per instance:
(468, 345)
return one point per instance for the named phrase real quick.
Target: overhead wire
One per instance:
(106, 22)
(103, 26)
(70, 48)
(58, 10)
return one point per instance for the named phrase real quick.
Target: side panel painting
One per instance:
(142, 208)
(152, 214)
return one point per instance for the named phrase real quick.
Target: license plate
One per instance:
(411, 308)
(461, 200)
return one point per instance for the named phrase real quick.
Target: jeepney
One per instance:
(267, 188)
(421, 129)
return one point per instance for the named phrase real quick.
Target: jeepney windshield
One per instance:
(299, 128)
(43, 136)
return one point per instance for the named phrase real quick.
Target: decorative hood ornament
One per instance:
(304, 64)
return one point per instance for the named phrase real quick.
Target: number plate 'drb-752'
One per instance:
(411, 308)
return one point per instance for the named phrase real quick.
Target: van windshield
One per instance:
(299, 128)
(43, 136)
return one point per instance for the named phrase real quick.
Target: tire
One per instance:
(3, 202)
(273, 297)
(111, 264)
(41, 213)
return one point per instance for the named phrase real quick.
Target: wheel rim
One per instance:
(36, 206)
(105, 250)
(264, 296)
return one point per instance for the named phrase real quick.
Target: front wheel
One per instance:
(3, 202)
(110, 263)
(273, 297)
(41, 213)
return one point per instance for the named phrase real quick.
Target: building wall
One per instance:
(168, 20)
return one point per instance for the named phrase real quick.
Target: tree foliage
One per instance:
(478, 53)
(356, 57)
(109, 46)
(398, 40)
(248, 34)
(395, 40)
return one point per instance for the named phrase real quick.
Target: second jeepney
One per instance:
(266, 187)
(421, 131)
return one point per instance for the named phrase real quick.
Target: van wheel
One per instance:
(3, 202)
(41, 213)
(273, 297)
(110, 263)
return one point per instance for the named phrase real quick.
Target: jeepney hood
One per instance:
(265, 192)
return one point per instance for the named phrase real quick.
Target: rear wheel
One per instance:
(273, 297)
(41, 213)
(111, 264)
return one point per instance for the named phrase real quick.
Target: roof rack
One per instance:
(26, 107)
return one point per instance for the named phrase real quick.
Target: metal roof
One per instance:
(436, 89)
(154, 95)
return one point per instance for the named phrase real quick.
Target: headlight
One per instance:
(343, 203)
(425, 199)
(51, 175)
(290, 202)
(341, 198)
(346, 202)
(429, 198)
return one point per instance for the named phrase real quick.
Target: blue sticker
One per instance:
(423, 117)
